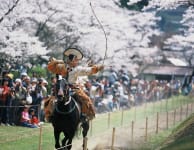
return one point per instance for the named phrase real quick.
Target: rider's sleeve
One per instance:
(57, 67)
(83, 71)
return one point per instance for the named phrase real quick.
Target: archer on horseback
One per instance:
(69, 69)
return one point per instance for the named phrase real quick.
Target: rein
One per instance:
(68, 112)
(71, 110)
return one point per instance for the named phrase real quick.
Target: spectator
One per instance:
(20, 96)
(4, 101)
(44, 88)
(27, 82)
(44, 94)
(10, 79)
(25, 118)
(33, 89)
(33, 118)
(112, 78)
(39, 91)
(20, 92)
(13, 111)
(23, 78)
(53, 86)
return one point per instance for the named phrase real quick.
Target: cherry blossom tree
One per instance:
(33, 28)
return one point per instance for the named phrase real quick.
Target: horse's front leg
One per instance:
(67, 142)
(56, 135)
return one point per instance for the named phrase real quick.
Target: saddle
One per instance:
(85, 102)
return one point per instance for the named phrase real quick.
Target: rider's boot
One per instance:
(91, 112)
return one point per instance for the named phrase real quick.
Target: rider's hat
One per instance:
(72, 53)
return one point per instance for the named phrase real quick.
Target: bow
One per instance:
(105, 54)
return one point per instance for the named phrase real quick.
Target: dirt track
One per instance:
(123, 139)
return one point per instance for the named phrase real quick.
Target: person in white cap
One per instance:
(69, 69)
(20, 91)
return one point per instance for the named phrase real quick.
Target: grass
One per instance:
(156, 139)
(18, 138)
(182, 137)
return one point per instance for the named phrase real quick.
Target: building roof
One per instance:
(177, 62)
(168, 70)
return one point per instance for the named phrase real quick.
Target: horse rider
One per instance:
(69, 69)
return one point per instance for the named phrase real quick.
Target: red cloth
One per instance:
(34, 120)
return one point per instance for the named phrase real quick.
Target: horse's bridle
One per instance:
(67, 112)
(66, 98)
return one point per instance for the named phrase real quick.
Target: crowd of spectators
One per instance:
(17, 95)
(117, 90)
(22, 99)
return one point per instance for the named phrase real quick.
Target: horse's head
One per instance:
(64, 91)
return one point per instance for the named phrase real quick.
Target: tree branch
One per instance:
(9, 10)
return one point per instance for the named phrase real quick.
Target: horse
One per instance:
(65, 118)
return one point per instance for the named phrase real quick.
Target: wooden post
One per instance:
(187, 110)
(132, 130)
(153, 106)
(166, 104)
(85, 143)
(167, 120)
(108, 120)
(181, 113)
(174, 117)
(113, 138)
(146, 129)
(39, 111)
(157, 120)
(145, 106)
(40, 138)
(122, 117)
(160, 105)
(190, 108)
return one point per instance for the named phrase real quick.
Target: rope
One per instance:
(63, 147)
(18, 106)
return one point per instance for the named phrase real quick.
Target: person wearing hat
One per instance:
(6, 74)
(69, 68)
(20, 91)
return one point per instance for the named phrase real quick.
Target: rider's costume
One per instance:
(71, 75)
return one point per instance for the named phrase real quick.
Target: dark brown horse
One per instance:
(66, 119)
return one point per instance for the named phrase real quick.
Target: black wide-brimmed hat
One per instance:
(73, 52)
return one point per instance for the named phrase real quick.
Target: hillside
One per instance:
(182, 138)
